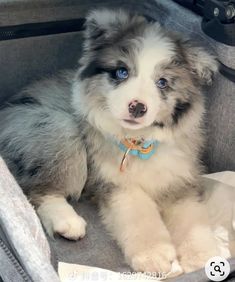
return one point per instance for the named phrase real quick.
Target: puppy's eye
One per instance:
(162, 83)
(122, 73)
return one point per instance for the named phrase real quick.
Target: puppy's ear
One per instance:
(201, 63)
(102, 24)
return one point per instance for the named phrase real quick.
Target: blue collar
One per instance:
(143, 150)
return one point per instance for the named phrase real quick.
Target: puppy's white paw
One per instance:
(159, 259)
(194, 260)
(59, 217)
(194, 251)
(73, 227)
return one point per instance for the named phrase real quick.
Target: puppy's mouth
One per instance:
(131, 121)
(131, 124)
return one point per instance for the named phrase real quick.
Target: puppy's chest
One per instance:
(165, 168)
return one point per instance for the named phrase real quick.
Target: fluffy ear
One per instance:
(202, 63)
(102, 24)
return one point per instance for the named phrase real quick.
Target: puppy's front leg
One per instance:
(191, 233)
(58, 216)
(134, 220)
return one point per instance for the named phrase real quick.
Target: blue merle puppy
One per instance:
(128, 125)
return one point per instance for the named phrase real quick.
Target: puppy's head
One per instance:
(135, 76)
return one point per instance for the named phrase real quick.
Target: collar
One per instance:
(140, 148)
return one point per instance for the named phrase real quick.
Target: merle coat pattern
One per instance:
(62, 133)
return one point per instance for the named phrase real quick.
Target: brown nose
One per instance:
(137, 109)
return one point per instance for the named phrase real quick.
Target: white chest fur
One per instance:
(169, 166)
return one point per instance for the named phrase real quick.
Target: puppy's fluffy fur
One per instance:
(62, 133)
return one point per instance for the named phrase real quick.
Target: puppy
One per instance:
(128, 124)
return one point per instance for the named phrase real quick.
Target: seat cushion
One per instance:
(97, 248)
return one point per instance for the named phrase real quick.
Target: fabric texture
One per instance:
(24, 231)
(97, 248)
(26, 60)
(14, 12)
(7, 270)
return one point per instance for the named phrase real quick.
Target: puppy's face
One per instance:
(136, 75)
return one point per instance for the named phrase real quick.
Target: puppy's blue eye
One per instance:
(162, 83)
(122, 73)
